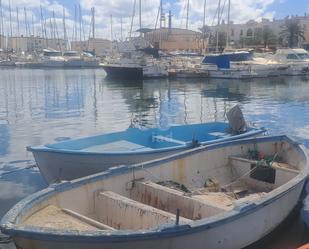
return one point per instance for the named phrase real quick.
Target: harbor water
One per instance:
(43, 106)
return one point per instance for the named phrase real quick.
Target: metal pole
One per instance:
(133, 14)
(112, 36)
(121, 29)
(93, 23)
(18, 34)
(11, 30)
(140, 16)
(187, 20)
(219, 10)
(228, 25)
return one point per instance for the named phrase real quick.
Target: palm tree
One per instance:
(292, 32)
(268, 37)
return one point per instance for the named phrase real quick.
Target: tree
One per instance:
(292, 32)
(268, 37)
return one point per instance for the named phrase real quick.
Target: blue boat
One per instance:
(76, 158)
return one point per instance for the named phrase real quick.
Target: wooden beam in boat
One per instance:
(121, 212)
(191, 206)
(87, 220)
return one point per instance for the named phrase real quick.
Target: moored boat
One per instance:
(76, 158)
(207, 197)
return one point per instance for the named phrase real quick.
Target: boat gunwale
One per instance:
(7, 223)
(43, 148)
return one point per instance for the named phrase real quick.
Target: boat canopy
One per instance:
(223, 60)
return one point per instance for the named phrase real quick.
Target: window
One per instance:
(292, 57)
(241, 32)
(249, 32)
(232, 32)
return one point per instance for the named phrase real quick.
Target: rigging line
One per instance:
(17, 170)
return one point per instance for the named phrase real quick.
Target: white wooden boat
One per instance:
(226, 195)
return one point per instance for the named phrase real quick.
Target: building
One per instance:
(35, 43)
(172, 39)
(250, 34)
(98, 45)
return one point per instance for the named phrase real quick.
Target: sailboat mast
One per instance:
(204, 16)
(204, 25)
(33, 28)
(219, 10)
(93, 23)
(65, 37)
(26, 21)
(80, 25)
(112, 36)
(121, 36)
(187, 19)
(228, 24)
(18, 31)
(11, 30)
(1, 24)
(140, 16)
(132, 19)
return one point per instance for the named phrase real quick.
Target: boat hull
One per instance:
(248, 221)
(226, 235)
(55, 167)
(123, 72)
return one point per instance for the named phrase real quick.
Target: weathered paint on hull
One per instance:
(227, 234)
(55, 167)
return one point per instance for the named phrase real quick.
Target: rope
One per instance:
(237, 179)
(5, 239)
(17, 170)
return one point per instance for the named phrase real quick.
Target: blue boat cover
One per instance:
(221, 60)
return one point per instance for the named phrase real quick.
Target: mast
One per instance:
(112, 28)
(18, 31)
(140, 16)
(121, 37)
(204, 16)
(187, 20)
(1, 24)
(204, 24)
(93, 22)
(219, 10)
(11, 30)
(133, 14)
(65, 36)
(32, 22)
(26, 21)
(228, 25)
(80, 26)
(161, 14)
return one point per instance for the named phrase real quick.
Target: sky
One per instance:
(122, 11)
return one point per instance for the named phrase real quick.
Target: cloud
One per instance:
(122, 10)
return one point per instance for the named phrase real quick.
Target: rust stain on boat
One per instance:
(179, 171)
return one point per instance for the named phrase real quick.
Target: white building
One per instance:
(243, 35)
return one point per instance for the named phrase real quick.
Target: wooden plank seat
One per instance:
(121, 212)
(56, 218)
(281, 166)
(191, 206)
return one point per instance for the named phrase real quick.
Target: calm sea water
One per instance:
(41, 106)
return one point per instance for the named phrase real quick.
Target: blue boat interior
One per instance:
(134, 139)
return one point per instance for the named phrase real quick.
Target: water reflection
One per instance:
(40, 106)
